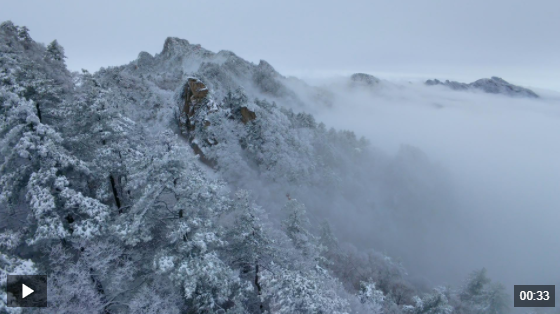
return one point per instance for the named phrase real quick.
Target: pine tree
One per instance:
(23, 34)
(35, 165)
(480, 295)
(436, 302)
(249, 247)
(297, 229)
(55, 52)
(296, 291)
(371, 299)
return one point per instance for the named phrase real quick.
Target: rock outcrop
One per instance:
(198, 89)
(193, 95)
(247, 115)
(196, 108)
(493, 85)
(144, 59)
(174, 46)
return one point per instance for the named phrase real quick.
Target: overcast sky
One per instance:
(516, 39)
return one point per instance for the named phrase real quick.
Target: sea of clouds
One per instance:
(503, 155)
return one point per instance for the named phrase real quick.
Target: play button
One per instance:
(25, 291)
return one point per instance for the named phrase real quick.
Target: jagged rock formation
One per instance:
(194, 94)
(195, 111)
(493, 85)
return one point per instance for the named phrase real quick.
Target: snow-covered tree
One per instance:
(289, 291)
(480, 295)
(11, 264)
(23, 34)
(436, 302)
(55, 52)
(371, 298)
(250, 248)
(71, 285)
(156, 297)
(35, 165)
(297, 229)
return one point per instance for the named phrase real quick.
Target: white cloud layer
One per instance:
(503, 156)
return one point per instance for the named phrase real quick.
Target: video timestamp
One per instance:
(534, 296)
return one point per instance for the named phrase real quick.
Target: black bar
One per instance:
(534, 296)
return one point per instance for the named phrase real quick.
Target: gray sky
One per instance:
(515, 39)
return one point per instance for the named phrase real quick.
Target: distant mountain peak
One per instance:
(493, 85)
(364, 79)
(172, 44)
(265, 66)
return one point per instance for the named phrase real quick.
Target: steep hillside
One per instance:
(185, 183)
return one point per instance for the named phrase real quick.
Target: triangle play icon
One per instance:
(25, 291)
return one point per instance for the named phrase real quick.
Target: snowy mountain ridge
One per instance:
(493, 85)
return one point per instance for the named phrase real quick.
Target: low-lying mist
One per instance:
(502, 155)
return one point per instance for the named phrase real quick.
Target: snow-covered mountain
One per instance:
(194, 182)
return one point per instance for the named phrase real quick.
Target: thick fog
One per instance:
(502, 156)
